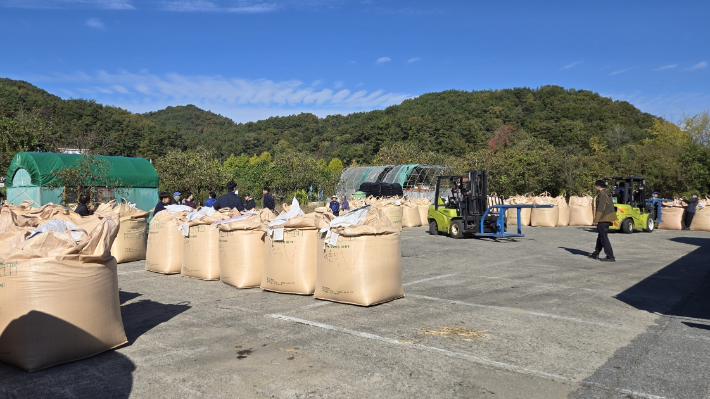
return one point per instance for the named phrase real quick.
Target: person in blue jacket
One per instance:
(335, 206)
(229, 200)
(211, 200)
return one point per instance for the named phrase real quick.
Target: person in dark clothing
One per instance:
(690, 210)
(604, 215)
(229, 200)
(249, 203)
(84, 209)
(335, 206)
(189, 201)
(164, 201)
(211, 200)
(268, 199)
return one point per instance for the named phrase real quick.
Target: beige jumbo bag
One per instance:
(392, 208)
(410, 215)
(525, 213)
(672, 215)
(581, 211)
(545, 217)
(701, 221)
(423, 205)
(563, 216)
(241, 249)
(59, 297)
(200, 251)
(360, 264)
(131, 243)
(165, 243)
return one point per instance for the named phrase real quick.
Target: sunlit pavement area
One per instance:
(531, 318)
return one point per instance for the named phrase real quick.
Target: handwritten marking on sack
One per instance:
(8, 269)
(329, 290)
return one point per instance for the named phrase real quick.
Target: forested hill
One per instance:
(451, 122)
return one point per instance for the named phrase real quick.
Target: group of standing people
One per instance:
(229, 200)
(336, 207)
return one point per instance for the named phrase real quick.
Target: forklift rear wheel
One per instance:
(433, 228)
(627, 226)
(457, 229)
(650, 224)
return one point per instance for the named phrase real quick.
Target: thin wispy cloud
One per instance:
(141, 91)
(699, 65)
(242, 6)
(101, 4)
(95, 23)
(572, 65)
(411, 60)
(665, 67)
(621, 71)
(383, 60)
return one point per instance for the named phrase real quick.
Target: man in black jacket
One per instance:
(690, 210)
(164, 201)
(249, 203)
(83, 208)
(268, 199)
(229, 200)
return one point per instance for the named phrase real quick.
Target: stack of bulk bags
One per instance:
(423, 205)
(130, 243)
(525, 213)
(701, 221)
(563, 216)
(581, 211)
(241, 248)
(392, 208)
(165, 242)
(290, 252)
(545, 217)
(59, 295)
(359, 259)
(672, 215)
(410, 215)
(200, 250)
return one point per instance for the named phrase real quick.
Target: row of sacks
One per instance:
(672, 214)
(59, 298)
(401, 212)
(343, 259)
(578, 212)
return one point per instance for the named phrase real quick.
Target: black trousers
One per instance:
(603, 239)
(688, 219)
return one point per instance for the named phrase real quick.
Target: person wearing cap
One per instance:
(229, 200)
(269, 202)
(655, 194)
(164, 201)
(690, 210)
(249, 203)
(176, 198)
(605, 214)
(334, 205)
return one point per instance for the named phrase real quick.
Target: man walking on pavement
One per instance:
(690, 210)
(229, 200)
(604, 215)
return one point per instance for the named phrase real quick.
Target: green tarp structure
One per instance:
(133, 172)
(31, 172)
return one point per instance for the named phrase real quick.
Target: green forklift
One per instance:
(462, 208)
(634, 210)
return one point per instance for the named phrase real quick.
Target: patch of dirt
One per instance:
(452, 332)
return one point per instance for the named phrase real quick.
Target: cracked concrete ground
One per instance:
(559, 325)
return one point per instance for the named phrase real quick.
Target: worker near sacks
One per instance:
(230, 200)
(269, 202)
(189, 201)
(604, 215)
(211, 200)
(334, 205)
(176, 198)
(344, 204)
(692, 205)
(84, 209)
(164, 201)
(249, 203)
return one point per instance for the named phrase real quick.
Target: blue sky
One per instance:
(251, 59)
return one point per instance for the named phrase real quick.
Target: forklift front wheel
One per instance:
(457, 229)
(650, 224)
(627, 226)
(433, 228)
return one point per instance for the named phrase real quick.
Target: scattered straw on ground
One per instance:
(455, 331)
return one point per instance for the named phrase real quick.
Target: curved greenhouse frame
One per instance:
(417, 180)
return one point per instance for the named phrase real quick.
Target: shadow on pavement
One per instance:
(142, 316)
(575, 251)
(679, 289)
(124, 296)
